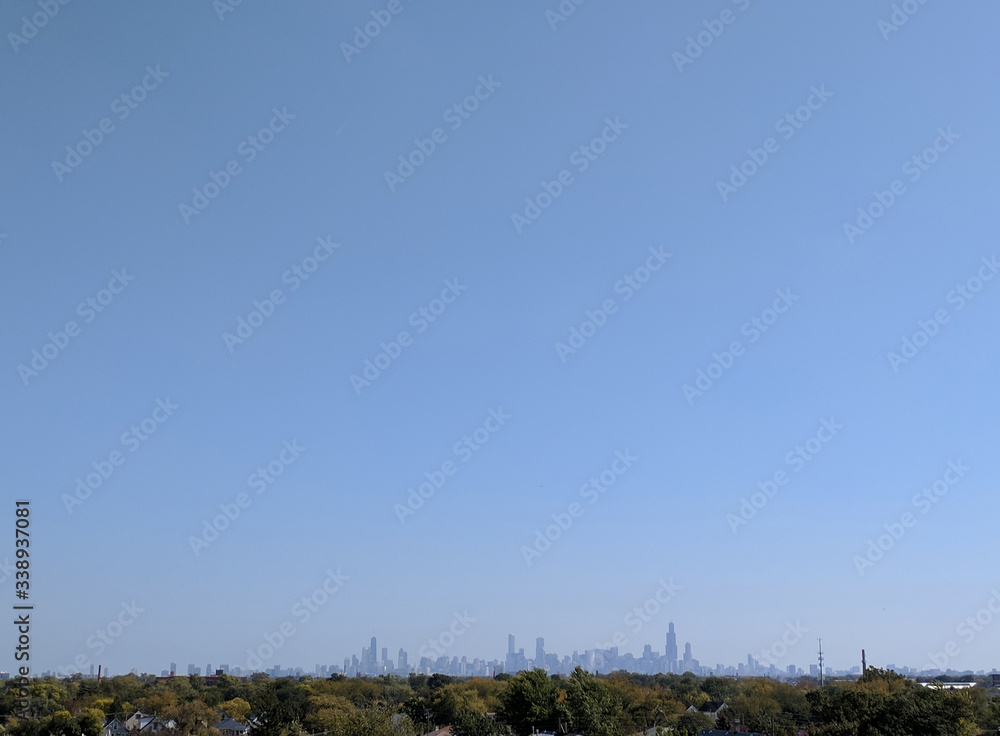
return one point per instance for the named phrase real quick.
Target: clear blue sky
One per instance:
(652, 183)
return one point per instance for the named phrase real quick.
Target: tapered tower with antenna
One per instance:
(821, 663)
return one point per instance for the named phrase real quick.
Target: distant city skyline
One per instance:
(604, 661)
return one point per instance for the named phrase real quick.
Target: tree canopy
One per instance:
(881, 703)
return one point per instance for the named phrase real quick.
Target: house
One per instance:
(114, 727)
(710, 709)
(144, 723)
(230, 727)
(133, 722)
(155, 724)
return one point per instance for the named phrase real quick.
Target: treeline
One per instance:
(881, 703)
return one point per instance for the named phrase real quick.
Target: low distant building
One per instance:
(949, 685)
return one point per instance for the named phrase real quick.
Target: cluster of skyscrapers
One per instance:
(432, 660)
(606, 660)
(374, 661)
(516, 660)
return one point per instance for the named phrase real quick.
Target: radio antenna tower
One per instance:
(821, 663)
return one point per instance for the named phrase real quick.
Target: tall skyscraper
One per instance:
(539, 652)
(671, 651)
(373, 658)
(173, 668)
(510, 643)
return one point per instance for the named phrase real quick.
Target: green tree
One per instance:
(229, 688)
(418, 684)
(593, 708)
(372, 721)
(159, 700)
(237, 708)
(686, 689)
(326, 711)
(645, 706)
(90, 722)
(468, 723)
(719, 689)
(25, 727)
(759, 707)
(883, 703)
(61, 723)
(393, 690)
(529, 701)
(692, 723)
(418, 709)
(437, 681)
(274, 715)
(451, 700)
(194, 718)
